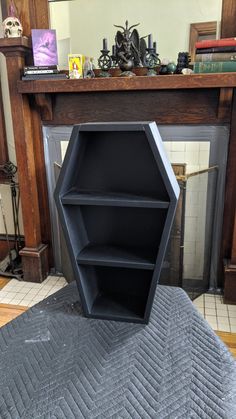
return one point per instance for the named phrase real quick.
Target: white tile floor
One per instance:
(220, 316)
(29, 293)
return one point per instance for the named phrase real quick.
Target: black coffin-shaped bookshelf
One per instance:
(116, 197)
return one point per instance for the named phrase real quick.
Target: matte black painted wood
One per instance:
(116, 197)
(74, 197)
(104, 255)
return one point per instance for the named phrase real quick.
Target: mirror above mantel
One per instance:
(81, 25)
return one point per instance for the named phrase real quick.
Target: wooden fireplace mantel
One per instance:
(111, 84)
(177, 99)
(195, 99)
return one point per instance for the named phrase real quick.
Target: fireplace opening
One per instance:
(198, 155)
(188, 257)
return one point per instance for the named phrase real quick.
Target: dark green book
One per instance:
(214, 67)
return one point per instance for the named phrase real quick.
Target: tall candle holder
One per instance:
(105, 61)
(114, 57)
(151, 57)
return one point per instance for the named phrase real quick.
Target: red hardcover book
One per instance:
(211, 43)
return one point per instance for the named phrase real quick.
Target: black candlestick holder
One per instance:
(114, 59)
(105, 63)
(151, 61)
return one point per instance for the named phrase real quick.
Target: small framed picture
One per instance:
(44, 45)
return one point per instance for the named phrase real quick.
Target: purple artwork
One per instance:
(44, 46)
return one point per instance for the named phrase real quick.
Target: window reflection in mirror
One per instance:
(81, 25)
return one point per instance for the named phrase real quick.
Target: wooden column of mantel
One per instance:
(35, 253)
(230, 259)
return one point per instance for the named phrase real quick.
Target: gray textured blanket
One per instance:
(57, 364)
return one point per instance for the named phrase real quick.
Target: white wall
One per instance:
(60, 20)
(92, 20)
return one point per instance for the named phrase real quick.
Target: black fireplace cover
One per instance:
(116, 197)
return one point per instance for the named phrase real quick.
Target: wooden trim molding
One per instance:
(112, 84)
(3, 137)
(228, 19)
(197, 30)
(225, 102)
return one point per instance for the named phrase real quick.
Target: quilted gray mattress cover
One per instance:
(55, 363)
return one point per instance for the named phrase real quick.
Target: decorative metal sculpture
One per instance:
(130, 49)
(105, 61)
(151, 57)
(114, 57)
(128, 52)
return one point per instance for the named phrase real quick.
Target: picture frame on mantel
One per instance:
(197, 32)
(44, 44)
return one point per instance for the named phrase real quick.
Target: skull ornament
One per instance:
(12, 27)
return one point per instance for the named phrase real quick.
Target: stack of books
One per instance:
(42, 72)
(215, 56)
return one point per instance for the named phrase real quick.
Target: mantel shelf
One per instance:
(194, 81)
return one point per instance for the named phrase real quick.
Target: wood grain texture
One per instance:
(35, 263)
(44, 102)
(24, 131)
(229, 282)
(225, 102)
(169, 82)
(4, 249)
(233, 247)
(164, 107)
(3, 137)
(3, 282)
(228, 19)
(9, 312)
(230, 340)
(40, 169)
(229, 235)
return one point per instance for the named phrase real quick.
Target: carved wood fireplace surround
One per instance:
(175, 99)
